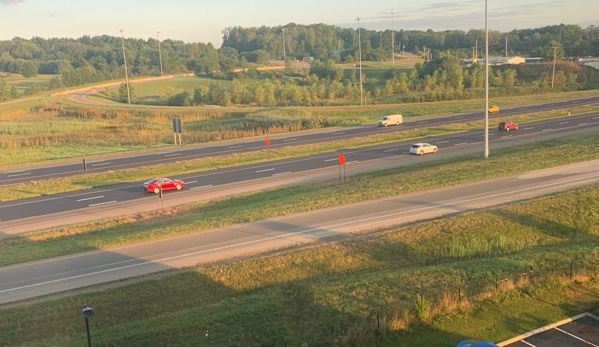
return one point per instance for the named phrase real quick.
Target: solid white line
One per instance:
(441, 142)
(530, 344)
(595, 117)
(282, 173)
(330, 159)
(506, 136)
(239, 146)
(545, 130)
(102, 203)
(341, 133)
(583, 123)
(265, 170)
(576, 337)
(101, 164)
(353, 161)
(459, 117)
(459, 144)
(209, 185)
(89, 274)
(170, 155)
(191, 182)
(21, 174)
(391, 150)
(290, 139)
(564, 122)
(527, 128)
(95, 197)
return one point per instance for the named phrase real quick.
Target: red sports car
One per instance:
(166, 184)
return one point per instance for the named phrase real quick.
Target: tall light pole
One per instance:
(392, 43)
(360, 55)
(126, 74)
(87, 313)
(553, 74)
(486, 81)
(284, 56)
(160, 54)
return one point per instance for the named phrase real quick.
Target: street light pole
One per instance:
(126, 74)
(160, 54)
(87, 313)
(284, 56)
(392, 43)
(553, 74)
(486, 81)
(360, 55)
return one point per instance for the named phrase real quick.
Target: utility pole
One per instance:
(160, 54)
(360, 54)
(284, 56)
(404, 50)
(486, 155)
(392, 43)
(476, 50)
(506, 55)
(126, 74)
(553, 74)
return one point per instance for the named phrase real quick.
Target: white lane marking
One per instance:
(545, 130)
(405, 152)
(576, 337)
(265, 170)
(530, 344)
(103, 203)
(191, 182)
(206, 186)
(583, 123)
(391, 150)
(95, 197)
(330, 159)
(170, 155)
(595, 117)
(21, 174)
(311, 230)
(282, 173)
(341, 133)
(353, 161)
(523, 109)
(550, 105)
(108, 163)
(489, 134)
(238, 146)
(459, 144)
(575, 102)
(459, 117)
(423, 122)
(564, 122)
(441, 142)
(293, 139)
(506, 136)
(527, 128)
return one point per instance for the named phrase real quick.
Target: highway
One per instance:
(196, 183)
(55, 275)
(174, 154)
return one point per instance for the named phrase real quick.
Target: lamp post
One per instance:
(125, 60)
(87, 313)
(486, 81)
(160, 54)
(284, 56)
(392, 43)
(360, 55)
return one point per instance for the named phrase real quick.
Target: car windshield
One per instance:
(415, 146)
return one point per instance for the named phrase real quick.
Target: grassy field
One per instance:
(37, 132)
(294, 199)
(79, 182)
(396, 287)
(22, 83)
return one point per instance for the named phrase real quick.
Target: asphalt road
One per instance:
(48, 276)
(197, 183)
(170, 155)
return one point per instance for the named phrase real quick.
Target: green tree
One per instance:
(554, 49)
(122, 93)
(14, 93)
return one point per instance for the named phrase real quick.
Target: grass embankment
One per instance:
(80, 182)
(330, 295)
(39, 133)
(278, 202)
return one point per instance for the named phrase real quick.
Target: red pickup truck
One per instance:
(507, 126)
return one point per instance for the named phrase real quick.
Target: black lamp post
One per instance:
(87, 313)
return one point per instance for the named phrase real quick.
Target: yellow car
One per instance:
(493, 109)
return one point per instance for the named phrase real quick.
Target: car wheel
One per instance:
(156, 190)
(516, 128)
(507, 129)
(385, 124)
(435, 150)
(420, 152)
(179, 187)
(397, 123)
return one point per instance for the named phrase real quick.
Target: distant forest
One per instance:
(94, 59)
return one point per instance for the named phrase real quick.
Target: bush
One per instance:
(422, 307)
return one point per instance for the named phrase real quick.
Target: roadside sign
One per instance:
(341, 159)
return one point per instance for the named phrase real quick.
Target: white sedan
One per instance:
(423, 148)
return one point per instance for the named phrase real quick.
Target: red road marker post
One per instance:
(341, 159)
(267, 143)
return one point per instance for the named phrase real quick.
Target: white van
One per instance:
(394, 119)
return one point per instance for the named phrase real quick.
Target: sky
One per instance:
(203, 21)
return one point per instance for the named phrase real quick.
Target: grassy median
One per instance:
(294, 199)
(432, 284)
